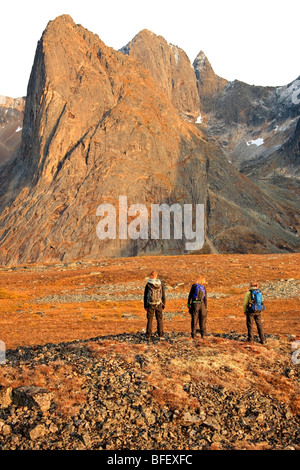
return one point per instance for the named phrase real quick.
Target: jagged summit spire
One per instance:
(63, 20)
(170, 67)
(201, 56)
(201, 63)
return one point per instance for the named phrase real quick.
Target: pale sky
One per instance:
(254, 41)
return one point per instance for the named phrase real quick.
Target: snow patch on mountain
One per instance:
(258, 142)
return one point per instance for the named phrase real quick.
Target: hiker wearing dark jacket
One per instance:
(154, 303)
(197, 305)
(253, 316)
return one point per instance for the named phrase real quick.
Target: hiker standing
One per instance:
(154, 303)
(253, 306)
(197, 305)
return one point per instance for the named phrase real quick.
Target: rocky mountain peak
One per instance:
(95, 122)
(99, 124)
(200, 61)
(208, 82)
(170, 67)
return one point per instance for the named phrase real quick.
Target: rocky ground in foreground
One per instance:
(117, 392)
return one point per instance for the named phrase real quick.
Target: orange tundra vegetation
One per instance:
(65, 302)
(100, 299)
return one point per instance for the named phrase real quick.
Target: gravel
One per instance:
(122, 411)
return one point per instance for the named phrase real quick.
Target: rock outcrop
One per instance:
(175, 394)
(31, 396)
(99, 125)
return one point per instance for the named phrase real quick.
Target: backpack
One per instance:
(199, 293)
(154, 295)
(256, 304)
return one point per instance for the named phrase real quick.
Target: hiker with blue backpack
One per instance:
(253, 306)
(197, 305)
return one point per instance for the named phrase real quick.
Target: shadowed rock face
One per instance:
(257, 127)
(209, 84)
(258, 130)
(11, 122)
(98, 125)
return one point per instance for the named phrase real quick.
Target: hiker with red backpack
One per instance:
(197, 305)
(154, 304)
(253, 306)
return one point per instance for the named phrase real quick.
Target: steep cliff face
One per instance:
(170, 67)
(258, 130)
(98, 125)
(256, 127)
(11, 123)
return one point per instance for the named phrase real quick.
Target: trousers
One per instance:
(157, 311)
(250, 319)
(198, 315)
